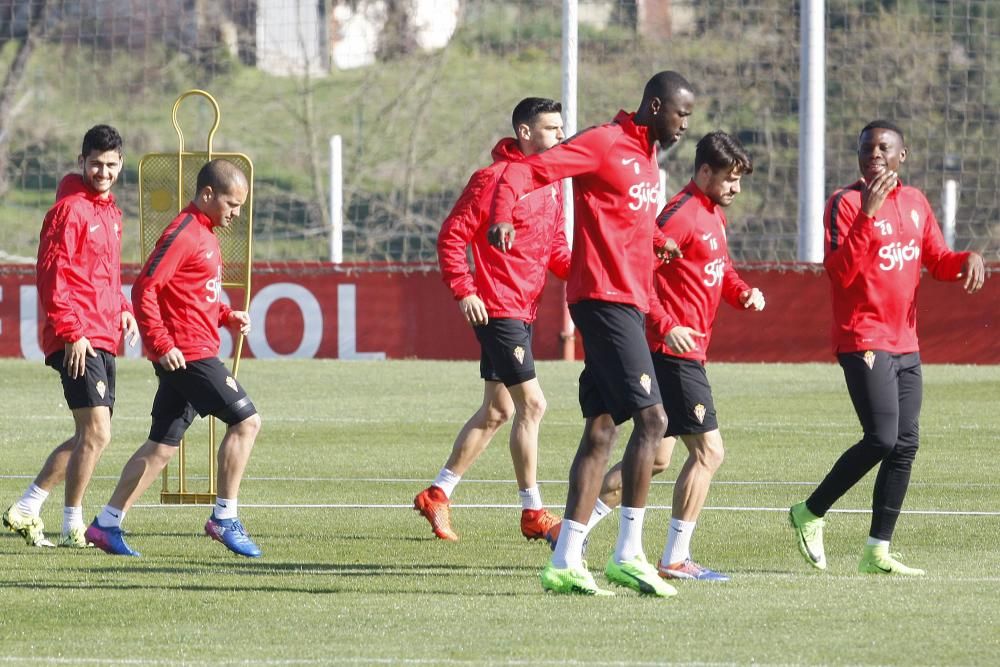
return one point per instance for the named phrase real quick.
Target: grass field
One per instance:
(352, 576)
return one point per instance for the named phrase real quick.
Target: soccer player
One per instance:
(178, 304)
(615, 188)
(688, 292)
(500, 301)
(79, 284)
(879, 234)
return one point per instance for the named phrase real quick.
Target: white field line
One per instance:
(345, 660)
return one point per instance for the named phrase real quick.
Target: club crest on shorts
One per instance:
(231, 383)
(646, 382)
(101, 388)
(699, 413)
(870, 359)
(519, 354)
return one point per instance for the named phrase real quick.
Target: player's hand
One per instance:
(173, 360)
(131, 328)
(669, 251)
(753, 299)
(474, 310)
(974, 273)
(681, 340)
(875, 192)
(501, 236)
(241, 318)
(75, 358)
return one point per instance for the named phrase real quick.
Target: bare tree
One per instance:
(26, 44)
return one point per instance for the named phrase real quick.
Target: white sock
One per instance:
(225, 508)
(569, 546)
(875, 542)
(531, 499)
(678, 547)
(31, 502)
(72, 518)
(447, 481)
(601, 510)
(110, 517)
(629, 534)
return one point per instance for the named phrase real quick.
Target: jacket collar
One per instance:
(627, 122)
(192, 209)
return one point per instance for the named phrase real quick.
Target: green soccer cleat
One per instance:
(809, 531)
(638, 575)
(878, 560)
(75, 539)
(570, 580)
(29, 527)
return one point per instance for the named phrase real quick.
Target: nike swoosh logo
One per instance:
(887, 570)
(209, 255)
(627, 161)
(705, 237)
(94, 228)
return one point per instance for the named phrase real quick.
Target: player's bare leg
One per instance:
(475, 436)
(93, 433)
(24, 516)
(234, 452)
(529, 408)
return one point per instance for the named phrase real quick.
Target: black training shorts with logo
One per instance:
(687, 396)
(618, 376)
(205, 387)
(506, 351)
(96, 387)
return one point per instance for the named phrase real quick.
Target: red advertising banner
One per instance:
(368, 311)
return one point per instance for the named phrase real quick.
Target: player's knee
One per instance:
(498, 414)
(96, 436)
(534, 407)
(248, 428)
(713, 454)
(883, 441)
(652, 424)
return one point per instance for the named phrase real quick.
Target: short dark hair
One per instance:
(883, 124)
(528, 108)
(722, 151)
(221, 175)
(665, 85)
(101, 138)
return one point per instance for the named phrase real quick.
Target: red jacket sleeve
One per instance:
(457, 232)
(847, 241)
(224, 312)
(658, 320)
(732, 285)
(146, 291)
(581, 154)
(63, 237)
(943, 263)
(559, 258)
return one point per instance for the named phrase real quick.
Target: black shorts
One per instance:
(618, 376)
(94, 388)
(506, 351)
(687, 396)
(205, 387)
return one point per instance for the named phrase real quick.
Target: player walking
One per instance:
(500, 301)
(79, 285)
(179, 308)
(879, 235)
(615, 187)
(682, 310)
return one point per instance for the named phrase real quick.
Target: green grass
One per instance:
(369, 585)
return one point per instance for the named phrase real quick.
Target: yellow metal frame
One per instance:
(149, 232)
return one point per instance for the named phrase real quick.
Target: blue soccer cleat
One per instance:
(111, 540)
(233, 535)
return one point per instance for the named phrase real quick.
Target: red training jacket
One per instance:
(511, 283)
(78, 274)
(874, 267)
(177, 296)
(689, 289)
(616, 185)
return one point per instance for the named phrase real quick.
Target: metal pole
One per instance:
(812, 121)
(569, 87)
(949, 205)
(336, 200)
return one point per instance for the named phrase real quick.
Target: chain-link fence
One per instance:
(420, 90)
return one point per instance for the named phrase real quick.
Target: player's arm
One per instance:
(55, 272)
(946, 264)
(561, 254)
(737, 293)
(849, 233)
(161, 267)
(581, 154)
(467, 218)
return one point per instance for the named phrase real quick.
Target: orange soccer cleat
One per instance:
(434, 505)
(540, 525)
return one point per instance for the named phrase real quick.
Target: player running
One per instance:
(179, 307)
(615, 188)
(688, 291)
(80, 288)
(879, 235)
(500, 301)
